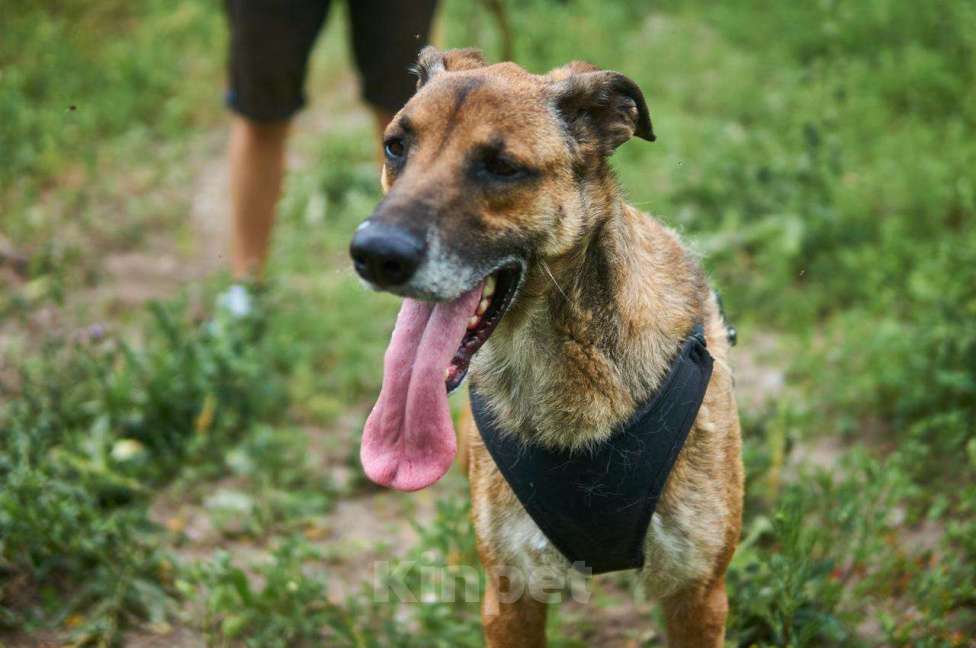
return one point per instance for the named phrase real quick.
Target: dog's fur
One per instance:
(608, 296)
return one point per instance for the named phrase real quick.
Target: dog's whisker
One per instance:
(545, 266)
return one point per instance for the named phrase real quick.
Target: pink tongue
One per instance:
(409, 441)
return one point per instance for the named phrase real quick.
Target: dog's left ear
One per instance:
(432, 62)
(601, 107)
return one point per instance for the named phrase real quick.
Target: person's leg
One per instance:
(270, 42)
(257, 166)
(386, 37)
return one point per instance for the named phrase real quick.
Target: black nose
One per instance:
(386, 255)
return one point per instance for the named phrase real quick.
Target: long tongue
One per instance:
(409, 441)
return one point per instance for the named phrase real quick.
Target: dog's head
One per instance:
(484, 169)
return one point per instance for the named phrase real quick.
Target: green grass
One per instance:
(819, 156)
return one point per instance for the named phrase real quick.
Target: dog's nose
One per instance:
(385, 255)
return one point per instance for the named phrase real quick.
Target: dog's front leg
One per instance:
(512, 617)
(696, 618)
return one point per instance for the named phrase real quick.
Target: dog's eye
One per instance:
(394, 148)
(499, 166)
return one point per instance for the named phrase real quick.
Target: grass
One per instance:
(165, 469)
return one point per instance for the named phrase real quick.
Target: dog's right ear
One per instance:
(432, 62)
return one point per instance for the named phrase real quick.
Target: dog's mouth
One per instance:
(409, 441)
(497, 294)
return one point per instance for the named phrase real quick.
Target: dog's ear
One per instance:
(432, 62)
(601, 107)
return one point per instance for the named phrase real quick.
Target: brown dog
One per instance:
(502, 218)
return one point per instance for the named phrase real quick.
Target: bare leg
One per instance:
(257, 165)
(508, 624)
(696, 619)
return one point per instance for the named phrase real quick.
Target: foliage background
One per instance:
(168, 474)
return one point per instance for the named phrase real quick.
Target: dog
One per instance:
(503, 227)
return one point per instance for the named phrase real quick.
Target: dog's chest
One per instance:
(530, 371)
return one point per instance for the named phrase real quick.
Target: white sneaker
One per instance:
(236, 301)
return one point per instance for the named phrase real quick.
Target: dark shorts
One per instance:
(270, 42)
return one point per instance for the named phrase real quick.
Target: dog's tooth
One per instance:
(473, 322)
(447, 373)
(482, 306)
(489, 288)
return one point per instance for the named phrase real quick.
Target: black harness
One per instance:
(594, 506)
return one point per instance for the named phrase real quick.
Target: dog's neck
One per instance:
(593, 332)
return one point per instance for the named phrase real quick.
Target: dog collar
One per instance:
(595, 505)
